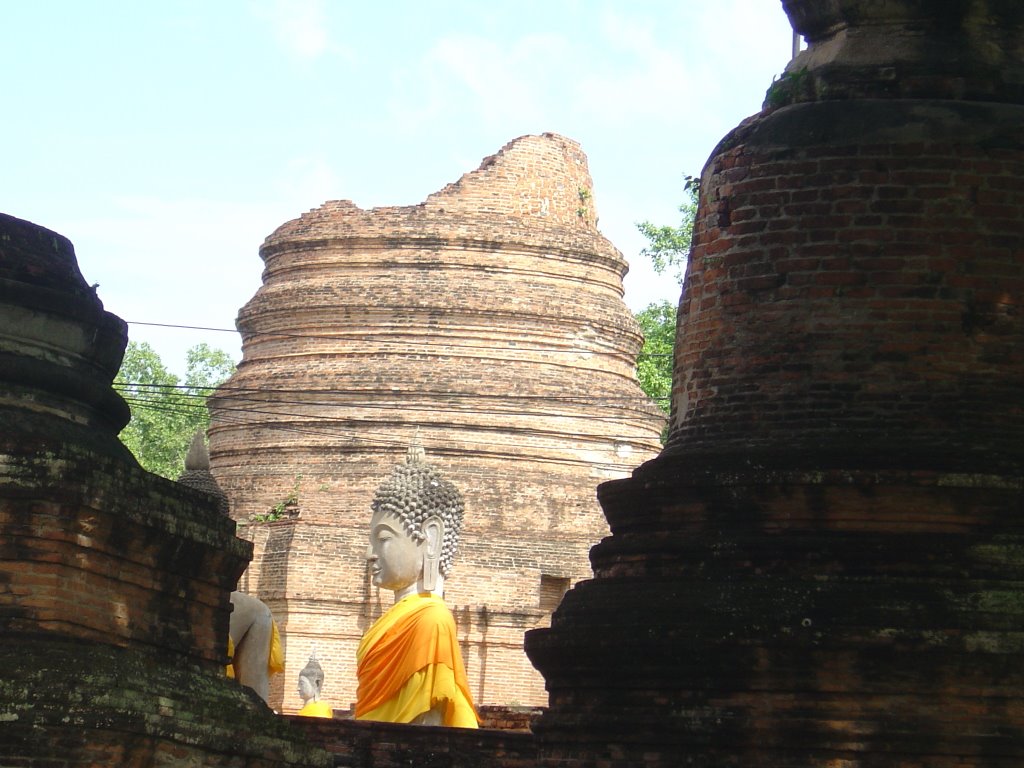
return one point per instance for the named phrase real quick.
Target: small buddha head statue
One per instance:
(311, 680)
(197, 471)
(414, 531)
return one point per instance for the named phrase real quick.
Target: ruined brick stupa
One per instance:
(825, 567)
(114, 583)
(486, 323)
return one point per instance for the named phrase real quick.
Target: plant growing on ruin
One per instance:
(789, 88)
(584, 195)
(287, 507)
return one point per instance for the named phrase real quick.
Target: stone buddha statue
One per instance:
(311, 683)
(409, 664)
(254, 644)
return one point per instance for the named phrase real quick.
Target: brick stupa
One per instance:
(114, 583)
(486, 323)
(825, 567)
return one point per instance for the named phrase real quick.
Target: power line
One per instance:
(406, 343)
(321, 426)
(244, 405)
(240, 393)
(194, 406)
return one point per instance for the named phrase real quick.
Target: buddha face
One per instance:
(307, 688)
(395, 557)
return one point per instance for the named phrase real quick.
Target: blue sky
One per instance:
(168, 139)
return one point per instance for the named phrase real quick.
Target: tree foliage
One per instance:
(165, 412)
(654, 366)
(668, 249)
(206, 368)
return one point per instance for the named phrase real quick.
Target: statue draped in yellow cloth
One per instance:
(311, 683)
(254, 644)
(409, 665)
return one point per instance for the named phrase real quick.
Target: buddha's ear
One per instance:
(433, 529)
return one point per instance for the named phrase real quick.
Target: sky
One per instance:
(167, 139)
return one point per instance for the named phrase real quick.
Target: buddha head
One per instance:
(414, 531)
(311, 681)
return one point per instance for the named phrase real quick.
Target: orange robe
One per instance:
(409, 662)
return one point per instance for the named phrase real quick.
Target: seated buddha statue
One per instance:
(311, 683)
(409, 665)
(254, 644)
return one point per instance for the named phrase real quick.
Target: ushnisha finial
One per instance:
(198, 457)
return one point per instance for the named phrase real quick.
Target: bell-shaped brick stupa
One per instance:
(487, 323)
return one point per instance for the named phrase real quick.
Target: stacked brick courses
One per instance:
(824, 566)
(890, 249)
(488, 323)
(359, 744)
(114, 583)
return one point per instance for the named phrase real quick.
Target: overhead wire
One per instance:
(242, 401)
(185, 408)
(403, 343)
(382, 440)
(315, 425)
(241, 393)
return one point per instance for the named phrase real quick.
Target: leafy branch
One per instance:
(669, 246)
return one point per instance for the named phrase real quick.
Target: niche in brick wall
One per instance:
(552, 590)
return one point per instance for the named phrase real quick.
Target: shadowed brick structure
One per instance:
(114, 583)
(824, 567)
(488, 324)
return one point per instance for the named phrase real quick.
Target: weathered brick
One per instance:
(488, 320)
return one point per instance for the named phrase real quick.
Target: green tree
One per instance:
(654, 365)
(165, 412)
(206, 368)
(668, 249)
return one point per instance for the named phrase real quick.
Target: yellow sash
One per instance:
(275, 660)
(316, 709)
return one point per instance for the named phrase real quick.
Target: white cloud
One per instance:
(643, 78)
(300, 26)
(477, 76)
(311, 180)
(761, 32)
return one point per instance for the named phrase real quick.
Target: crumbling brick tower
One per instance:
(488, 324)
(114, 583)
(825, 565)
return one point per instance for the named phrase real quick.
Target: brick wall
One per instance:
(887, 259)
(895, 253)
(153, 575)
(488, 323)
(824, 566)
(358, 744)
(114, 583)
(71, 703)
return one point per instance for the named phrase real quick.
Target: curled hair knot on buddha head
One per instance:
(416, 491)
